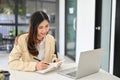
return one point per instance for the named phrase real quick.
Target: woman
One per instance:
(37, 43)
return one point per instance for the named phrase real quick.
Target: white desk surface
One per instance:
(53, 75)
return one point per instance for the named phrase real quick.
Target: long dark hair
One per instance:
(36, 19)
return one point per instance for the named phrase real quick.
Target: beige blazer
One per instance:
(21, 59)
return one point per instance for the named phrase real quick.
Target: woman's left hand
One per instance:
(56, 60)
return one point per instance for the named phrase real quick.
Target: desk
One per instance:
(53, 75)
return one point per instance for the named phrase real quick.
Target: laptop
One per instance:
(89, 63)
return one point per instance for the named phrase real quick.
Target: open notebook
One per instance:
(51, 67)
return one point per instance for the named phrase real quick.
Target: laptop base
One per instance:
(71, 72)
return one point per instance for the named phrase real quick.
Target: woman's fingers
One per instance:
(41, 65)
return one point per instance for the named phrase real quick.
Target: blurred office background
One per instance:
(15, 15)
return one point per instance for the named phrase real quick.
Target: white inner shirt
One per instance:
(41, 49)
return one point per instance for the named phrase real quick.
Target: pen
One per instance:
(39, 60)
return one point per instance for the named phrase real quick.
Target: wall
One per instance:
(106, 33)
(62, 27)
(112, 36)
(85, 26)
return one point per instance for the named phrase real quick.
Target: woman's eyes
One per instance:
(41, 27)
(46, 26)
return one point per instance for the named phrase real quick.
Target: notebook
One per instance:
(89, 63)
(52, 66)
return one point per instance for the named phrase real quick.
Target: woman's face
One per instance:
(42, 29)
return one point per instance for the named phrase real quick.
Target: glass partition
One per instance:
(70, 28)
(15, 16)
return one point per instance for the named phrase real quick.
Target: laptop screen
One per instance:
(89, 62)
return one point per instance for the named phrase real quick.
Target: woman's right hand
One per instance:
(41, 65)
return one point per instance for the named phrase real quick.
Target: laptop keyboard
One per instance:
(72, 74)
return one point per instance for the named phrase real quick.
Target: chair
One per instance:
(56, 51)
(1, 39)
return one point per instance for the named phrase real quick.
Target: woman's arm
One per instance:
(15, 61)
